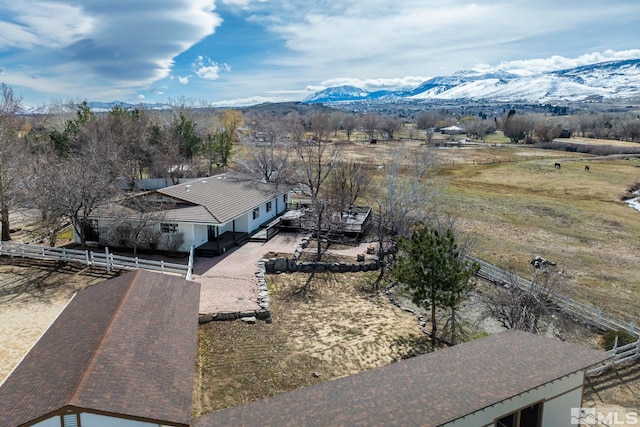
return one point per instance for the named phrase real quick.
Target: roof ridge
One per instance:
(97, 350)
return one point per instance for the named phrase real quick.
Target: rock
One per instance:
(250, 320)
(205, 318)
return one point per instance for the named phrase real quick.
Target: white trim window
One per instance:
(168, 227)
(256, 213)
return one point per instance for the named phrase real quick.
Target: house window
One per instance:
(256, 213)
(284, 198)
(168, 227)
(531, 416)
(268, 206)
(91, 230)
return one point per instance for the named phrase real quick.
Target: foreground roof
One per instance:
(224, 196)
(125, 347)
(427, 390)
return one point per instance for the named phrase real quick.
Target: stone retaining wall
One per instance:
(263, 313)
(291, 265)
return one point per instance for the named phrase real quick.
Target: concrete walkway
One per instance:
(229, 282)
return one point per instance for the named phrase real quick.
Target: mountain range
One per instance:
(605, 81)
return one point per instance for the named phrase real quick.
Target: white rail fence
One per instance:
(618, 355)
(96, 259)
(584, 312)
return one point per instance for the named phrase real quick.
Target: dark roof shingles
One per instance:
(125, 346)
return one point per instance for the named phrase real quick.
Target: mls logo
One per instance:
(580, 415)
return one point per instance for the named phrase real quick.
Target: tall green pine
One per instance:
(434, 270)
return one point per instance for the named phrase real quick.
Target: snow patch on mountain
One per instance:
(606, 80)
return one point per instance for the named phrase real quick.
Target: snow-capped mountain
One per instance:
(602, 81)
(95, 106)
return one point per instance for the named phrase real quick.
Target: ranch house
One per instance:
(211, 214)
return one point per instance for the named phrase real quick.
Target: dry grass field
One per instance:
(514, 204)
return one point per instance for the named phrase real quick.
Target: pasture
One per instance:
(515, 204)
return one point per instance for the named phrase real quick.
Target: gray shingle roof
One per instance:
(225, 196)
(125, 346)
(427, 390)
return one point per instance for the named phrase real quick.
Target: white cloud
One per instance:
(207, 69)
(557, 62)
(38, 23)
(111, 43)
(381, 39)
(244, 4)
(183, 80)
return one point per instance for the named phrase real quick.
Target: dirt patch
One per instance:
(32, 295)
(335, 328)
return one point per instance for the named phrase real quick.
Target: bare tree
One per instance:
(315, 161)
(349, 124)
(74, 186)
(389, 125)
(347, 182)
(547, 131)
(295, 126)
(371, 124)
(267, 151)
(12, 156)
(406, 198)
(517, 127)
(427, 119)
(524, 309)
(137, 225)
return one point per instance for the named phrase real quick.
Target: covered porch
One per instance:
(221, 243)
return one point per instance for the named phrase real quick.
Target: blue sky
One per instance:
(241, 52)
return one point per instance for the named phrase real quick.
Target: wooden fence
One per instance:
(584, 312)
(98, 259)
(618, 355)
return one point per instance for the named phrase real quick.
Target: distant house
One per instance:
(452, 130)
(122, 353)
(509, 379)
(212, 214)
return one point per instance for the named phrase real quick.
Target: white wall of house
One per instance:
(196, 234)
(93, 420)
(558, 397)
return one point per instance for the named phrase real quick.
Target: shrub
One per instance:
(609, 339)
